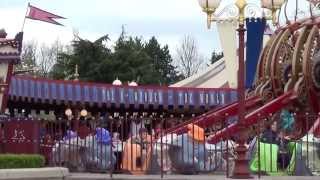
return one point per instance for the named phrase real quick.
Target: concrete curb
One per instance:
(88, 176)
(57, 173)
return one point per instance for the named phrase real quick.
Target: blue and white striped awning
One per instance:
(57, 91)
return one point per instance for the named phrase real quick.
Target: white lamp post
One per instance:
(269, 4)
(83, 113)
(68, 112)
(273, 6)
(133, 84)
(209, 7)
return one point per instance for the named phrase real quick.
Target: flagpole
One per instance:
(24, 20)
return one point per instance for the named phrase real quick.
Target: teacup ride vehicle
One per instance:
(136, 156)
(93, 153)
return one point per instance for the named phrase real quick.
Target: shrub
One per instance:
(13, 161)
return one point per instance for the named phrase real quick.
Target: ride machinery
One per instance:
(288, 74)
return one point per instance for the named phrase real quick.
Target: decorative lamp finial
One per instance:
(133, 83)
(117, 82)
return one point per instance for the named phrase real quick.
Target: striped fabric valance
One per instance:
(54, 91)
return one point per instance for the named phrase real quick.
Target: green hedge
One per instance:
(13, 161)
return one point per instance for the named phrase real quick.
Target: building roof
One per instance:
(10, 49)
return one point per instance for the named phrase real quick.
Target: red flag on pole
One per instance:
(41, 15)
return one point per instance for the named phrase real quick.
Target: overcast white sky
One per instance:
(168, 20)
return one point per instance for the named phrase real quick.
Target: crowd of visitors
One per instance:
(143, 131)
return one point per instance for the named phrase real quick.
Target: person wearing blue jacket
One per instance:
(100, 152)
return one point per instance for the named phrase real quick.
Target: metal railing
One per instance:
(139, 146)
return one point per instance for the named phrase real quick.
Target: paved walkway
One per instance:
(87, 176)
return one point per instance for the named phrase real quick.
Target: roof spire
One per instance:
(76, 73)
(3, 34)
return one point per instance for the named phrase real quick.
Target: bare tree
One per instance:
(188, 57)
(47, 57)
(28, 58)
(38, 60)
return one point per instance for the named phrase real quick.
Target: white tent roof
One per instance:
(214, 76)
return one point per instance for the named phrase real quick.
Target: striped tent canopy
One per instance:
(58, 91)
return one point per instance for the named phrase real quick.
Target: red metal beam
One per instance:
(253, 117)
(215, 116)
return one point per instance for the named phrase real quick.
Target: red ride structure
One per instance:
(288, 75)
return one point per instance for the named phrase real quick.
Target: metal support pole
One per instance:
(161, 147)
(241, 170)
